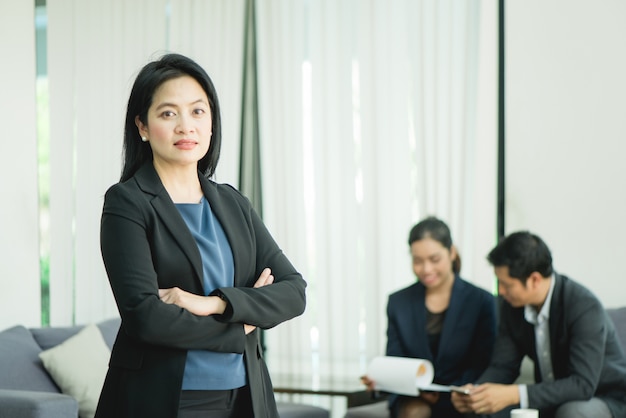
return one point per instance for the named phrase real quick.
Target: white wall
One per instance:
(566, 135)
(19, 212)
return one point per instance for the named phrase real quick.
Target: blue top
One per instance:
(210, 370)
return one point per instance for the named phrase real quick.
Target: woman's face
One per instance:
(179, 123)
(432, 262)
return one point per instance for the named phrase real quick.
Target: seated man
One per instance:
(580, 368)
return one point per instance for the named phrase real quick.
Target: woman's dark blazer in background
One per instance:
(158, 251)
(467, 336)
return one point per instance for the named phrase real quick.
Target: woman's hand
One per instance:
(461, 401)
(431, 398)
(196, 304)
(370, 385)
(265, 278)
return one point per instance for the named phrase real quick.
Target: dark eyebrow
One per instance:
(427, 257)
(167, 104)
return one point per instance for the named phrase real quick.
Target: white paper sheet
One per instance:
(400, 374)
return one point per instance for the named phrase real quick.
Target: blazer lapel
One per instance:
(419, 337)
(455, 307)
(556, 314)
(149, 182)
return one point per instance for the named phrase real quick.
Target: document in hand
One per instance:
(405, 376)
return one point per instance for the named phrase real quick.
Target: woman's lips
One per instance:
(185, 144)
(429, 279)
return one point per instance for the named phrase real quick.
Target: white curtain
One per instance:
(95, 49)
(19, 224)
(374, 114)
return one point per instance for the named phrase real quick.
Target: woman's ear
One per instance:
(143, 129)
(453, 253)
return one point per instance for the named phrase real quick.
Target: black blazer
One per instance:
(146, 245)
(467, 338)
(587, 359)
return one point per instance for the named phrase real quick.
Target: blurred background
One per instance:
(345, 122)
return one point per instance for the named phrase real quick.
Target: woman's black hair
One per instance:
(523, 253)
(437, 230)
(150, 78)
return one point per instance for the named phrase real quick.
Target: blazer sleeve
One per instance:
(267, 306)
(129, 237)
(506, 360)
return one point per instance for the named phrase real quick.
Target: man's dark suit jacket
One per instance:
(587, 358)
(146, 245)
(467, 337)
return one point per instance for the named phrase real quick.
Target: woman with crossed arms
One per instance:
(193, 270)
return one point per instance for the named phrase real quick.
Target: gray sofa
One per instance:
(28, 391)
(379, 409)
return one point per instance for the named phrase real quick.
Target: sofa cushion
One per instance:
(49, 337)
(79, 365)
(109, 329)
(33, 404)
(20, 366)
(618, 315)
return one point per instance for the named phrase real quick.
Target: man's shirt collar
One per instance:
(530, 313)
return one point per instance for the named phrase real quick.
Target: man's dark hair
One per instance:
(523, 253)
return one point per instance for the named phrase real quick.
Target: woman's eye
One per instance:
(167, 114)
(199, 111)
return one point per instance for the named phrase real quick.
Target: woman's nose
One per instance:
(185, 124)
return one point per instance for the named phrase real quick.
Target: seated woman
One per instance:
(441, 318)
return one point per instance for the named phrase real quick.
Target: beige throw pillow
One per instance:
(79, 366)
